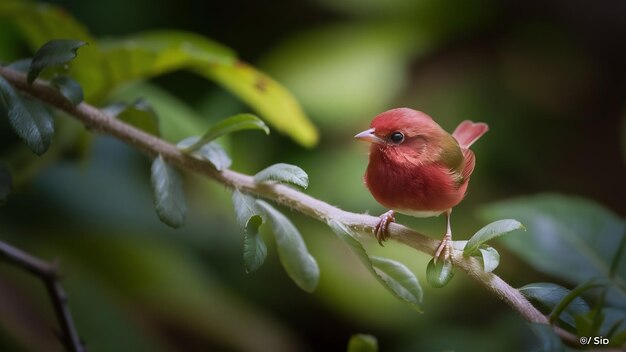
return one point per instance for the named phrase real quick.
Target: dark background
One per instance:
(548, 77)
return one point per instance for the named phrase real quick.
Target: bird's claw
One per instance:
(380, 231)
(444, 248)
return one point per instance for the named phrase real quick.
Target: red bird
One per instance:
(417, 168)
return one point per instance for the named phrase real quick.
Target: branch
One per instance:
(48, 273)
(98, 121)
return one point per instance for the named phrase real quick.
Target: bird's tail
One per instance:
(468, 132)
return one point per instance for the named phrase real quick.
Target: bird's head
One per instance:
(405, 134)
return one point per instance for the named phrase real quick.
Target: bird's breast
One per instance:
(413, 189)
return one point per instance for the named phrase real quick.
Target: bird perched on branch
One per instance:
(417, 168)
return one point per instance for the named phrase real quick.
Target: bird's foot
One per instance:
(444, 248)
(380, 231)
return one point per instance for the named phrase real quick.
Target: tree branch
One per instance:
(48, 273)
(96, 120)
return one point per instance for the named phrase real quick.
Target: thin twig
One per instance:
(48, 273)
(96, 120)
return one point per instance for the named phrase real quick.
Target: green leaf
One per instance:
(613, 327)
(618, 339)
(284, 173)
(216, 155)
(6, 183)
(139, 114)
(549, 341)
(102, 68)
(394, 276)
(21, 65)
(363, 343)
(245, 208)
(249, 219)
(617, 257)
(211, 152)
(153, 53)
(169, 198)
(32, 122)
(495, 229)
(229, 125)
(571, 238)
(490, 258)
(440, 273)
(294, 256)
(254, 248)
(53, 53)
(589, 324)
(568, 300)
(550, 295)
(176, 119)
(40, 23)
(69, 88)
(398, 277)
(43, 22)
(614, 324)
(115, 109)
(270, 99)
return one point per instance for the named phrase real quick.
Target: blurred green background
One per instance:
(548, 77)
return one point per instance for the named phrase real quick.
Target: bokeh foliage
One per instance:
(548, 78)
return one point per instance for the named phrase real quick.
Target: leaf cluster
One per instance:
(107, 64)
(579, 242)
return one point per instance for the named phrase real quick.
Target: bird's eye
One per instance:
(397, 137)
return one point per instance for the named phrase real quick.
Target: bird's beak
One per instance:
(369, 136)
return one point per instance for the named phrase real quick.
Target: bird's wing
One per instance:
(466, 134)
(470, 162)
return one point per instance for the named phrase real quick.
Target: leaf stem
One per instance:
(362, 224)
